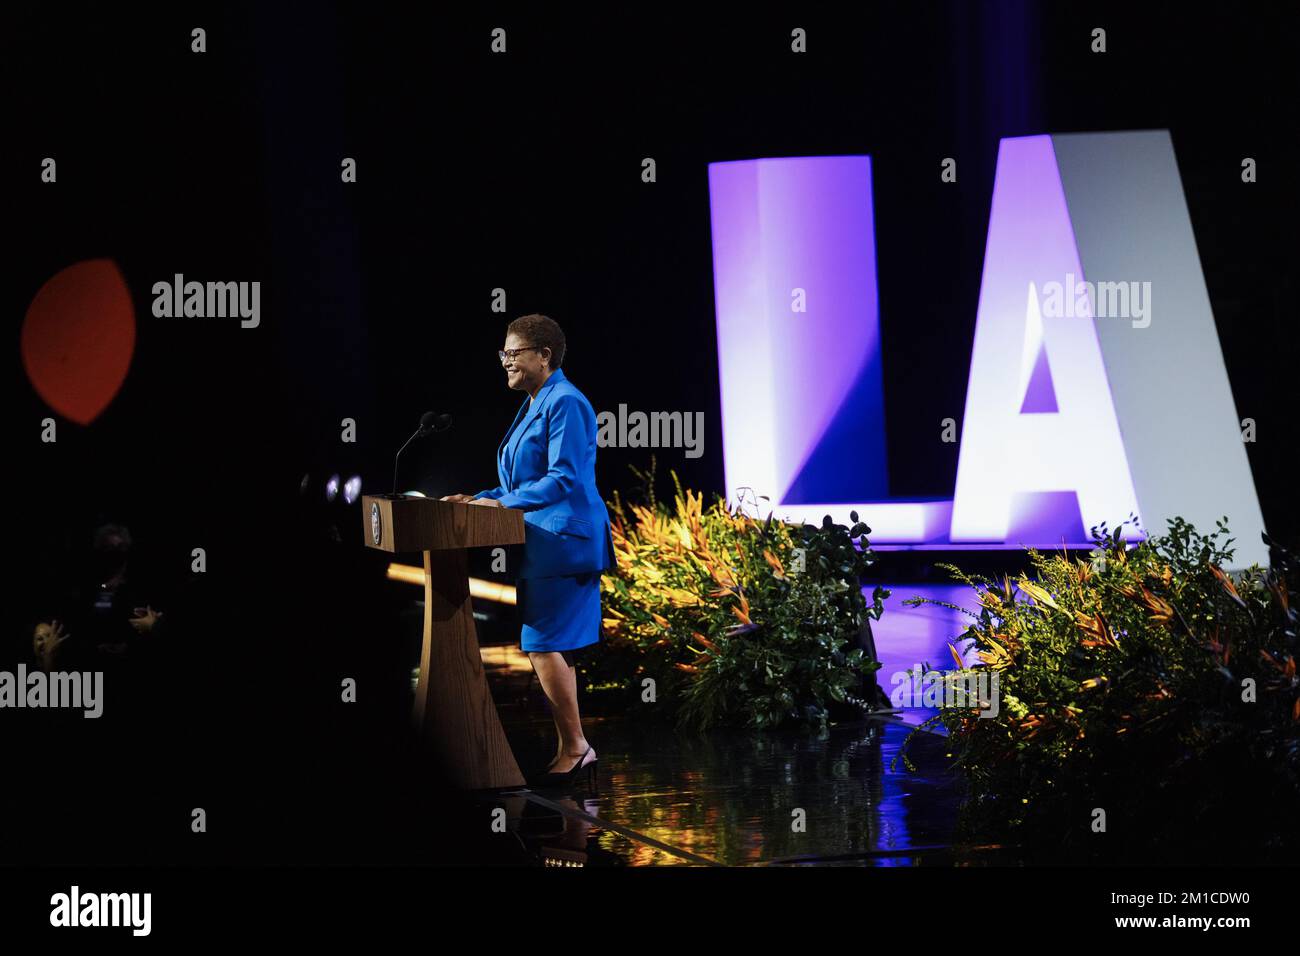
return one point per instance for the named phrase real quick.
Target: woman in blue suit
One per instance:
(547, 468)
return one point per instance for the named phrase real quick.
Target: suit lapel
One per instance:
(514, 438)
(503, 466)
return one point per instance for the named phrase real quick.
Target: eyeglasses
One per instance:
(511, 353)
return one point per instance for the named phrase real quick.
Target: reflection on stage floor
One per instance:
(735, 798)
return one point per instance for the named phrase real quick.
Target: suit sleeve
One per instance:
(496, 492)
(567, 445)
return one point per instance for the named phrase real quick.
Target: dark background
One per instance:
(521, 172)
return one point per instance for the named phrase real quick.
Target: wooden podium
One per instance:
(454, 712)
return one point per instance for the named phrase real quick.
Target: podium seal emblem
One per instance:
(376, 524)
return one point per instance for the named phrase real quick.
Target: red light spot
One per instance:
(78, 338)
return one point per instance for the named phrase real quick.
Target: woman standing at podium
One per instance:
(547, 468)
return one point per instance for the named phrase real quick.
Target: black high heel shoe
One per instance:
(552, 779)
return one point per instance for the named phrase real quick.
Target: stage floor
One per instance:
(733, 799)
(740, 799)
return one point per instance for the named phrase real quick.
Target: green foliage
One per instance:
(1125, 684)
(739, 622)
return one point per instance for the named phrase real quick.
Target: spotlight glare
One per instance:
(352, 489)
(332, 488)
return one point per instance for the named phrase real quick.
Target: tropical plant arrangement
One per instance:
(722, 619)
(1143, 682)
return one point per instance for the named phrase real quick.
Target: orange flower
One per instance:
(1288, 670)
(1033, 723)
(1161, 610)
(742, 612)
(775, 563)
(1227, 584)
(1280, 595)
(700, 638)
(1098, 631)
(722, 574)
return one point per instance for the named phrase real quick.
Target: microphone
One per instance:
(430, 423)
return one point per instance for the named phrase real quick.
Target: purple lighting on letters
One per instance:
(1042, 459)
(798, 329)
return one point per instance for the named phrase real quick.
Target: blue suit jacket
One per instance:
(547, 467)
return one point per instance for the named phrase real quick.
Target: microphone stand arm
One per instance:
(419, 431)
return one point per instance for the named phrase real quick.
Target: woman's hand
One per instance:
(490, 502)
(459, 499)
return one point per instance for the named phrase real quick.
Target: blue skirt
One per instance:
(559, 613)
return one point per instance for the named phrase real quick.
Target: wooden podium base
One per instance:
(454, 712)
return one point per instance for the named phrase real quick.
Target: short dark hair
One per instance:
(540, 331)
